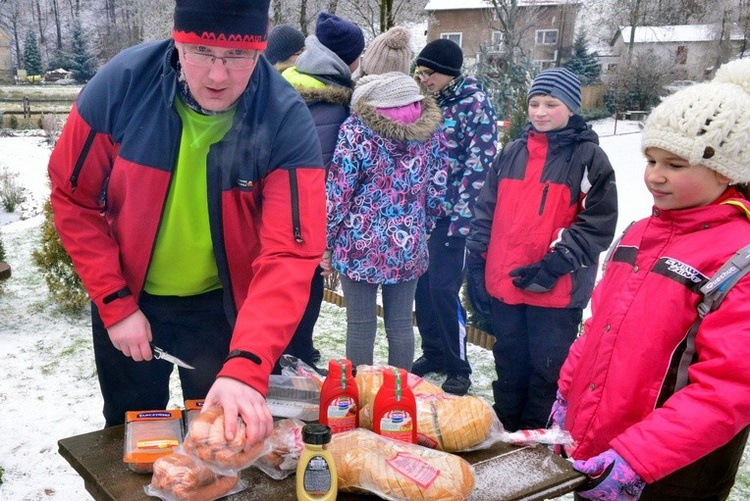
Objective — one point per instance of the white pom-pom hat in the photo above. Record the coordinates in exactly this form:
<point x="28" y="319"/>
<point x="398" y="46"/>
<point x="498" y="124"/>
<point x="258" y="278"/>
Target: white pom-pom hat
<point x="707" y="123"/>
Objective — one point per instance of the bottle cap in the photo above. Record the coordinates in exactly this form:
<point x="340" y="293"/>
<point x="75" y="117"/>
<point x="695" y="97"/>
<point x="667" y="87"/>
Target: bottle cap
<point x="340" y="369"/>
<point x="316" y="434"/>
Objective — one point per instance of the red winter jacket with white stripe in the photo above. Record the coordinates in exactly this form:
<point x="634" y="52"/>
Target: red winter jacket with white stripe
<point x="112" y="168"/>
<point x="632" y="381"/>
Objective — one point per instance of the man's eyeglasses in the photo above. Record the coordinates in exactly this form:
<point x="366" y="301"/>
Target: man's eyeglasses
<point x="233" y="62"/>
<point x="424" y="74"/>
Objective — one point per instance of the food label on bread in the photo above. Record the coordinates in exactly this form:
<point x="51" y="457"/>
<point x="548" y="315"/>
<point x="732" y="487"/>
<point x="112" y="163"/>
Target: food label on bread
<point x="414" y="468"/>
<point x="342" y="414"/>
<point x="397" y="424"/>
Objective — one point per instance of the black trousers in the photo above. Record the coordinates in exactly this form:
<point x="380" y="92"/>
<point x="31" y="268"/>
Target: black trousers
<point x="531" y="344"/>
<point x="193" y="328"/>
<point x="441" y="318"/>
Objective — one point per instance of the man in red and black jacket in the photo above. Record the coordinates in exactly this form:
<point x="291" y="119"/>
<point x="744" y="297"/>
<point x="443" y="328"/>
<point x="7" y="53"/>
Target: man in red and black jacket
<point x="188" y="188"/>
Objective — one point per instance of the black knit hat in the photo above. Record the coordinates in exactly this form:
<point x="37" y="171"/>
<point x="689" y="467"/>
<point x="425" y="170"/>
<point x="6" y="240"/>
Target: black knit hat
<point x="342" y="37"/>
<point x="231" y="24"/>
<point x="443" y="56"/>
<point x="284" y="41"/>
<point x="559" y="83"/>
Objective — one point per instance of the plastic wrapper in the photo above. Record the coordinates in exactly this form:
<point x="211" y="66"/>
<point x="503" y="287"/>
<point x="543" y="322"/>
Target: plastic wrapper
<point x="284" y="447"/>
<point x="450" y="423"/>
<point x="370" y="378"/>
<point x="548" y="436"/>
<point x="207" y="445"/>
<point x="293" y="366"/>
<point x="294" y="397"/>
<point x="192" y="409"/>
<point x="178" y="477"/>
<point x="150" y="435"/>
<point x="395" y="470"/>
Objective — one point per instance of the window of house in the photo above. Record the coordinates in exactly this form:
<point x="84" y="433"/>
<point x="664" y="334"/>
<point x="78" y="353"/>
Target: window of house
<point x="497" y="40"/>
<point x="454" y="37"/>
<point x="611" y="66"/>
<point x="682" y="52"/>
<point x="546" y="37"/>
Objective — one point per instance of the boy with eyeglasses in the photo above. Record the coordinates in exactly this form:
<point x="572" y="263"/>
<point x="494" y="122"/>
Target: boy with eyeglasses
<point x="188" y="189"/>
<point x="470" y="126"/>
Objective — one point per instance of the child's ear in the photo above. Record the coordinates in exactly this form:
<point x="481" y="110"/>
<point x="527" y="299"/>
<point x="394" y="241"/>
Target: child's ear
<point x="722" y="178"/>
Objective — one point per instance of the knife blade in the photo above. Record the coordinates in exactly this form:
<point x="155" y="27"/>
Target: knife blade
<point x="160" y="354"/>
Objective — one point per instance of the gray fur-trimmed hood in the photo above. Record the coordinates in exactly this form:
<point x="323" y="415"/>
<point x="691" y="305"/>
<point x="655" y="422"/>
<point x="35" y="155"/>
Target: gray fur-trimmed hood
<point x="421" y="130"/>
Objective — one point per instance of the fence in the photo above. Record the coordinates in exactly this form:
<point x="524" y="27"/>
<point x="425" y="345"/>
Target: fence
<point x="474" y="335"/>
<point x="592" y="97"/>
<point x="30" y="111"/>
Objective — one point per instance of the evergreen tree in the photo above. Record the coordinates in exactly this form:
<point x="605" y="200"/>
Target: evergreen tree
<point x="584" y="63"/>
<point x="32" y="58"/>
<point x="64" y="285"/>
<point x="82" y="63"/>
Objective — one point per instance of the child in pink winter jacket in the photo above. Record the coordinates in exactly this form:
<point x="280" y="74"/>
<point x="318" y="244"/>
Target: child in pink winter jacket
<point x="656" y="400"/>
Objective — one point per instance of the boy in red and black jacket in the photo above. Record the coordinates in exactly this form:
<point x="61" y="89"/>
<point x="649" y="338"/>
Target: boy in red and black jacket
<point x="547" y="210"/>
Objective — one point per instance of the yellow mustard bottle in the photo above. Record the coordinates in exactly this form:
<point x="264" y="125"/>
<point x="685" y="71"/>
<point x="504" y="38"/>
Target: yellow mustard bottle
<point x="316" y="471"/>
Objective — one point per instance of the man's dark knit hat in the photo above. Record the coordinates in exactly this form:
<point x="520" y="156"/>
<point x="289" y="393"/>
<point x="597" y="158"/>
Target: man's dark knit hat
<point x="284" y="41"/>
<point x="342" y="37"/>
<point x="231" y="24"/>
<point x="443" y="56"/>
<point x="559" y="83"/>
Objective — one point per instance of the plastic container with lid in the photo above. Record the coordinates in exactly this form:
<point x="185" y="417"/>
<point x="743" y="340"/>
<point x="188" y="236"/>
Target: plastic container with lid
<point x="394" y="412"/>
<point x="316" y="470"/>
<point x="339" y="397"/>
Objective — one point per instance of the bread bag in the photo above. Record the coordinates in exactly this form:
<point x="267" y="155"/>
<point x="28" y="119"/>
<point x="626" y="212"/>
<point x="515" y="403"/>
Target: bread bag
<point x="396" y="470"/>
<point x="370" y="378"/>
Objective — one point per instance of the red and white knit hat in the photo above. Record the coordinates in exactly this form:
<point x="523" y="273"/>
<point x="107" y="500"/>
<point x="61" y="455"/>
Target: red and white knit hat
<point x="231" y="24"/>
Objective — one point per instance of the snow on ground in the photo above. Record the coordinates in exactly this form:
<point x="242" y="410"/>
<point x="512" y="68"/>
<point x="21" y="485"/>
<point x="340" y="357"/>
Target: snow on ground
<point x="49" y="388"/>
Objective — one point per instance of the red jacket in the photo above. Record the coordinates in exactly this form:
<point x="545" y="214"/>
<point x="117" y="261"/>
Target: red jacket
<point x="621" y="377"/>
<point x="544" y="191"/>
<point x="111" y="171"/>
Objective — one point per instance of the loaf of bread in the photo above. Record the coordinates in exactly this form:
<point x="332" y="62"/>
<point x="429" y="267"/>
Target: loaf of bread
<point x="178" y="477"/>
<point x="206" y="442"/>
<point x="446" y="422"/>
<point x="396" y="470"/>
<point x="370" y="378"/>
<point x="453" y="423"/>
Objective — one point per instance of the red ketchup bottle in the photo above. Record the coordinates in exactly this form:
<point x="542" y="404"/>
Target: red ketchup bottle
<point x="339" y="397"/>
<point x="395" y="409"/>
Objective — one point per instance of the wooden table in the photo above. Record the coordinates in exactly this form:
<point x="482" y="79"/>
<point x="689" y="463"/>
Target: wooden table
<point x="503" y="472"/>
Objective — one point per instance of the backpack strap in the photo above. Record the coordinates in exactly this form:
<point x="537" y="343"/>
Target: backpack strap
<point x="714" y="291"/>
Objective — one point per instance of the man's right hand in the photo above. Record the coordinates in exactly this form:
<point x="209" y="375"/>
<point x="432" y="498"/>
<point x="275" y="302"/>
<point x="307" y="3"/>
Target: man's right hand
<point x="131" y="336"/>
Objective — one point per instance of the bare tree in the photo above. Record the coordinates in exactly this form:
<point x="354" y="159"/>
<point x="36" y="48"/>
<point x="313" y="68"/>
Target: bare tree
<point x="11" y="17"/>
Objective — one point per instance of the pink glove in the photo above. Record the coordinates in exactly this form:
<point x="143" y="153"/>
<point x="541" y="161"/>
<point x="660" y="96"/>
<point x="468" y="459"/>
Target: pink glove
<point x="610" y="478"/>
<point x="557" y="420"/>
<point x="559" y="410"/>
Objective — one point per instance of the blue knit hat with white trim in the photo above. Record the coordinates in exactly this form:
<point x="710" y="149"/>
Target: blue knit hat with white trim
<point x="559" y="83"/>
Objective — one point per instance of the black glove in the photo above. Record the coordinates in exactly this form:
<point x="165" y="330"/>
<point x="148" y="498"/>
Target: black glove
<point x="478" y="296"/>
<point x="541" y="276"/>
